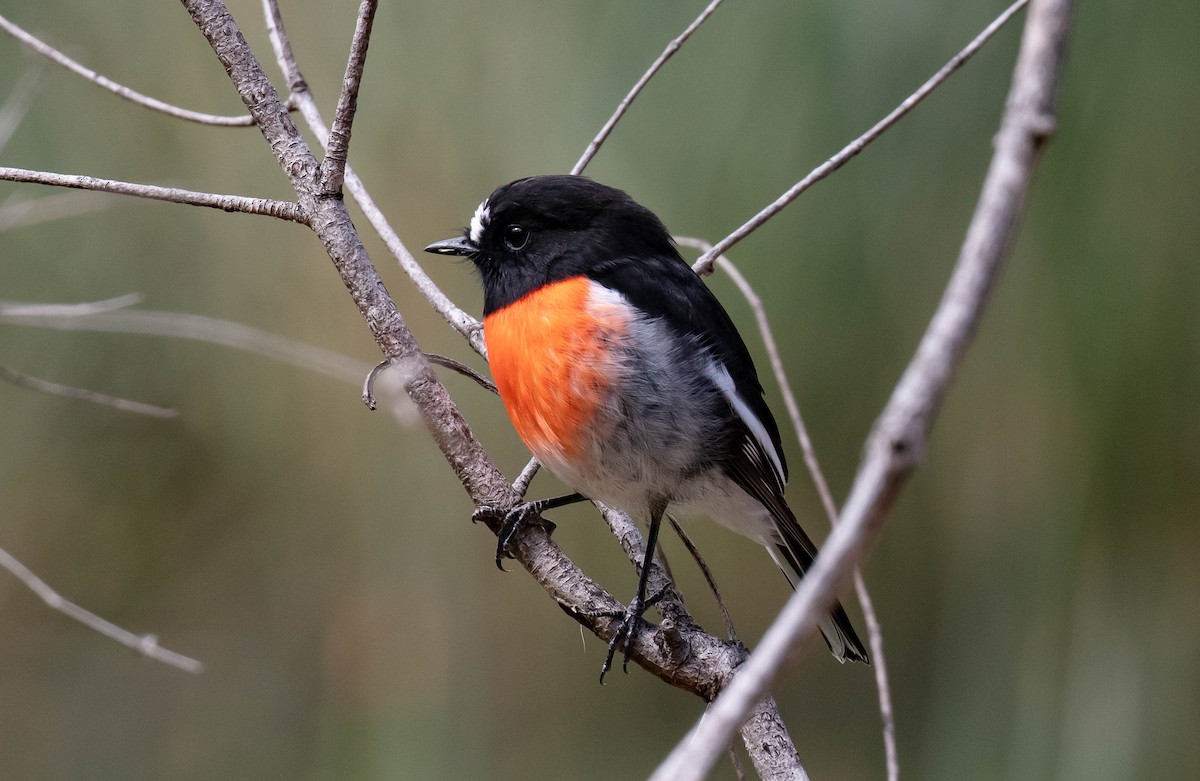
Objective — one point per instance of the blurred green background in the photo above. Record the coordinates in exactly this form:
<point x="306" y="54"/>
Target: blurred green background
<point x="1039" y="581"/>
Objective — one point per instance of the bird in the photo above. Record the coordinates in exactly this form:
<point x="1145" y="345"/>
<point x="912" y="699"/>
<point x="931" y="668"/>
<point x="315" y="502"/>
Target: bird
<point x="626" y="378"/>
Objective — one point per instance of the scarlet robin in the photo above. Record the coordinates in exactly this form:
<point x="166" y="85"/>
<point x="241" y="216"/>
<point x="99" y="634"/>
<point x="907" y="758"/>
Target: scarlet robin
<point x="624" y="375"/>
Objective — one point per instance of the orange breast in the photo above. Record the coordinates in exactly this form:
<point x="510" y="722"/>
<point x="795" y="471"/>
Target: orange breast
<point x="549" y="354"/>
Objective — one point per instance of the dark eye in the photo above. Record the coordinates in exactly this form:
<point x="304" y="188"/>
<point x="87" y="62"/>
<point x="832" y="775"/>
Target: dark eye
<point x="515" y="237"/>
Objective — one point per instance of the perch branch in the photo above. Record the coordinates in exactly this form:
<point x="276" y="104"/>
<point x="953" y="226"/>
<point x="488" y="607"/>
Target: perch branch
<point x="898" y="438"/>
<point x="708" y="662"/>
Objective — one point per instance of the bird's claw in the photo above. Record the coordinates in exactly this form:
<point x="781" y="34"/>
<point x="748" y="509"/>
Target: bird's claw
<point x="512" y="521"/>
<point x="627" y="632"/>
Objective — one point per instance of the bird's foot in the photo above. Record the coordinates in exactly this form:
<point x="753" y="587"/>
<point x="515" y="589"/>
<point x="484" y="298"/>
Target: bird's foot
<point x="512" y="521"/>
<point x="626" y="634"/>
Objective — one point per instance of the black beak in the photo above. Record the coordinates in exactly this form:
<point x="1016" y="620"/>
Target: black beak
<point x="459" y="246"/>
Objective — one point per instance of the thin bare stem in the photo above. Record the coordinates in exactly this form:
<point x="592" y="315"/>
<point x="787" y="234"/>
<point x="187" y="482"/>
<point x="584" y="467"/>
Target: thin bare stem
<point x="333" y="167"/>
<point x="899" y="436"/>
<point x="57" y="57"/>
<point x="55" y="389"/>
<point x="623" y="106"/>
<point x="704" y="265"/>
<point x="730" y="631"/>
<point x="874" y="630"/>
<point x="282" y="210"/>
<point x="466" y="325"/>
<point x="147" y="645"/>
<point x="458" y="366"/>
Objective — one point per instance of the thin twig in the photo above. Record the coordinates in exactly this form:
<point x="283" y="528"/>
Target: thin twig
<point x="874" y="630"/>
<point x="730" y="631"/>
<point x="147" y="645"/>
<point x="704" y="265"/>
<point x="333" y="167"/>
<point x="55" y="56"/>
<point x="54" y="389"/>
<point x="466" y="325"/>
<point x="899" y="436"/>
<point x="460" y="367"/>
<point x="282" y="210"/>
<point x="623" y="106"/>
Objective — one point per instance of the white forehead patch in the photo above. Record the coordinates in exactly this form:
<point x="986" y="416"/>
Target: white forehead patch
<point x="478" y="221"/>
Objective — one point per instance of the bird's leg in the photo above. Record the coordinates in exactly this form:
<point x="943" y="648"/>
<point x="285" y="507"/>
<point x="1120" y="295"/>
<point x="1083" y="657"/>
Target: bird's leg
<point x="515" y="518"/>
<point x="627" y="631"/>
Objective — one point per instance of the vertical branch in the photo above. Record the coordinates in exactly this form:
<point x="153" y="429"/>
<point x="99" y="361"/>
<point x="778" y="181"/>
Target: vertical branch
<point x="333" y="168"/>
<point x="898" y="439"/>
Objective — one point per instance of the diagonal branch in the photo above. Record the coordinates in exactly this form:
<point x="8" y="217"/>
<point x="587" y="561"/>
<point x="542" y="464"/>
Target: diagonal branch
<point x="704" y="265"/>
<point x="282" y="210"/>
<point x="57" y="57"/>
<point x="147" y="645"/>
<point x="899" y="436"/>
<point x="623" y="106"/>
<point x="67" y="391"/>
<point x="333" y="167"/>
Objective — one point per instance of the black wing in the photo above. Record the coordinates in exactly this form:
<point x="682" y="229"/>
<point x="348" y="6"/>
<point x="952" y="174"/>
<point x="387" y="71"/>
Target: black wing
<point x="666" y="287"/>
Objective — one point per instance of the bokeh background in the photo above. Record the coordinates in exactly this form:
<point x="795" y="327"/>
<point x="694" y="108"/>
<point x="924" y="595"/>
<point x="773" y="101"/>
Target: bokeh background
<point x="1039" y="581"/>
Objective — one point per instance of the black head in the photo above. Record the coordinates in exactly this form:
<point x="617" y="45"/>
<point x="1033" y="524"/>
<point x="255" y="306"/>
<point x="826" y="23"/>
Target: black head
<point x="547" y="228"/>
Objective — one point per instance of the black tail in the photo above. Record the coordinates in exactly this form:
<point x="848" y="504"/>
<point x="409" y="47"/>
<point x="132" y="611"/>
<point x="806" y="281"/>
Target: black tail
<point x="836" y="628"/>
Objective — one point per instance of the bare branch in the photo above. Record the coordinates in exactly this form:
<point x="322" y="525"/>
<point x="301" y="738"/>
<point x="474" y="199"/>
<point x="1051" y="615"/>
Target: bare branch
<point x="623" y="106"/>
<point x="55" y="56"/>
<point x="54" y="389"/>
<point x="874" y="631"/>
<point x="333" y="167"/>
<point x="147" y="645"/>
<point x="466" y="325"/>
<point x="899" y="436"/>
<point x="704" y="265"/>
<point x="730" y="631"/>
<point x="282" y="210"/>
